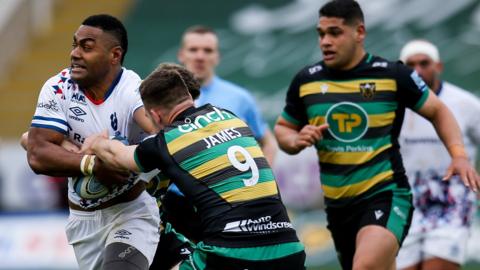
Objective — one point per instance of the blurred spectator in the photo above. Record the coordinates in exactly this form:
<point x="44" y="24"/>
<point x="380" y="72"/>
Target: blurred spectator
<point x="444" y="210"/>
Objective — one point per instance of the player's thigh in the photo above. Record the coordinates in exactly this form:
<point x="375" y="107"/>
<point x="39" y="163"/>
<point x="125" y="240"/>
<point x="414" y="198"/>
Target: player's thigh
<point x="448" y="243"/>
<point x="200" y="260"/>
<point x="410" y="255"/>
<point x="171" y="250"/>
<point x="136" y="224"/>
<point x="376" y="248"/>
<point x="439" y="264"/>
<point x="87" y="233"/>
<point x="343" y="226"/>
<point x="125" y="257"/>
<point x="383" y="227"/>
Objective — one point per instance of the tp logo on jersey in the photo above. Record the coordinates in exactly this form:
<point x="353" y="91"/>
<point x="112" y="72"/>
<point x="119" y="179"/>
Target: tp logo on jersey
<point x="347" y="121"/>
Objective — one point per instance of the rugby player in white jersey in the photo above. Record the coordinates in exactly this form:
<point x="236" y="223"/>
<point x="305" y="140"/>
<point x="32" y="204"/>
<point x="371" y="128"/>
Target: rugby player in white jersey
<point x="443" y="214"/>
<point x="119" y="228"/>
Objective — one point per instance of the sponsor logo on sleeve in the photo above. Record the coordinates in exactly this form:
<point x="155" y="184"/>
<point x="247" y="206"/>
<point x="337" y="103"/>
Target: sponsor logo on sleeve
<point x="314" y="69"/>
<point x="418" y="81"/>
<point x="50" y="105"/>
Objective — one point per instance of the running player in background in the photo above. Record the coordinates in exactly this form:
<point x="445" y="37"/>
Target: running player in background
<point x="444" y="210"/>
<point x="216" y="162"/>
<point x="351" y="107"/>
<point x="200" y="55"/>
<point x="96" y="93"/>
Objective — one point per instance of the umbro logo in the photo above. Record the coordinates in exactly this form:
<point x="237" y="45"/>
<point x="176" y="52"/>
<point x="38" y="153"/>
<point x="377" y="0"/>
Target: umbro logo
<point x="123" y="234"/>
<point x="77" y="111"/>
<point x="378" y="214"/>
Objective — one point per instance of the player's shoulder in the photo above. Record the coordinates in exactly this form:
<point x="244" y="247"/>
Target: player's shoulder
<point x="311" y="71"/>
<point x="60" y="78"/>
<point x="129" y="78"/>
<point x="454" y="92"/>
<point x="129" y="83"/>
<point x="61" y="84"/>
<point x="130" y="75"/>
<point x="380" y="65"/>
<point x="234" y="90"/>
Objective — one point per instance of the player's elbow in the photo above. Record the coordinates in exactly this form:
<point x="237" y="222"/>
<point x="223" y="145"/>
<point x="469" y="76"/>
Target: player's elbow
<point x="35" y="162"/>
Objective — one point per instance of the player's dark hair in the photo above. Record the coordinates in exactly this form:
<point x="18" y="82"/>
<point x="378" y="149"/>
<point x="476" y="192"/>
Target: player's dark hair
<point x="349" y="10"/>
<point x="168" y="85"/>
<point x="111" y="25"/>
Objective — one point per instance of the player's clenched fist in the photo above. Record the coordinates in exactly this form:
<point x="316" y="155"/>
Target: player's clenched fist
<point x="308" y="136"/>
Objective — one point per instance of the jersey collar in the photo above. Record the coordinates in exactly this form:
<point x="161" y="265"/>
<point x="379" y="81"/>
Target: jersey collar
<point x="109" y="92"/>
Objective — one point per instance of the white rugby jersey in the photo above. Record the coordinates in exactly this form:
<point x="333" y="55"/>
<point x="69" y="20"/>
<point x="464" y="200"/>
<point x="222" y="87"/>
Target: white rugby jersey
<point x="63" y="107"/>
<point x="426" y="158"/>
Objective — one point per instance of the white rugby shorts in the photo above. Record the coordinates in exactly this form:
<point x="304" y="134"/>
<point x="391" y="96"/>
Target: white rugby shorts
<point x="446" y="242"/>
<point x="135" y="223"/>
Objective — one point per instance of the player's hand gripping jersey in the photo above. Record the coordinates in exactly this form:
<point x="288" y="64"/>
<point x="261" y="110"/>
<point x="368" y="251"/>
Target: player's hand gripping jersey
<point x="65" y="108"/>
<point x="214" y="159"/>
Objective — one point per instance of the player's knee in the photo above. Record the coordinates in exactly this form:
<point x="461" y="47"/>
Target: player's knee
<point x="125" y="257"/>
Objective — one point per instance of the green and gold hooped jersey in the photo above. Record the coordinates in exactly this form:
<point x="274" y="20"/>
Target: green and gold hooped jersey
<point x="364" y="108"/>
<point x="214" y="159"/>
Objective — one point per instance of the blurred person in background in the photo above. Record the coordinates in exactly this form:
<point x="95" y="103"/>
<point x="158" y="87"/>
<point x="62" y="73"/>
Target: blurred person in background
<point x="215" y="160"/>
<point x="350" y="106"/>
<point x="444" y="210"/>
<point x="199" y="53"/>
<point x="94" y="94"/>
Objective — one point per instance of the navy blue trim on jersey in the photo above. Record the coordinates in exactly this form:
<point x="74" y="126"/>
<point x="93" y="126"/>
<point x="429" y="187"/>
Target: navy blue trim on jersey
<point x="114" y="84"/>
<point x="50" y="127"/>
<point x="51" y="119"/>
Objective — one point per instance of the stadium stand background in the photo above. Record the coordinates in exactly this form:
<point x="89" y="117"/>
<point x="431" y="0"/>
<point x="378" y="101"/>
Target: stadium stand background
<point x="263" y="43"/>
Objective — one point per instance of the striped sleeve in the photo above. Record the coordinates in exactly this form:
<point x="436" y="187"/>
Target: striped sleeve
<point x="50" y="113"/>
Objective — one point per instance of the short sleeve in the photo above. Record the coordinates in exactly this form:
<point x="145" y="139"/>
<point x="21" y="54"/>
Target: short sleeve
<point x="50" y="112"/>
<point x="473" y="130"/>
<point x="133" y="99"/>
<point x="254" y="119"/>
<point x="411" y="89"/>
<point x="147" y="154"/>
<point x="295" y="111"/>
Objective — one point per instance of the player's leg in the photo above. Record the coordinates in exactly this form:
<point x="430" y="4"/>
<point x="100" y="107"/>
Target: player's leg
<point x="410" y="255"/>
<point x="87" y="235"/>
<point x="376" y="248"/>
<point x="383" y="226"/>
<point x="201" y="259"/>
<point x="439" y="264"/>
<point x="445" y="248"/>
<point x="171" y="250"/>
<point x="123" y="256"/>
<point x="136" y="225"/>
<point x="343" y="227"/>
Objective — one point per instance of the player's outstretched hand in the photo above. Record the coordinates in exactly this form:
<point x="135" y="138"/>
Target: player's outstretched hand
<point x="109" y="176"/>
<point x="462" y="167"/>
<point x="89" y="141"/>
<point x="309" y="135"/>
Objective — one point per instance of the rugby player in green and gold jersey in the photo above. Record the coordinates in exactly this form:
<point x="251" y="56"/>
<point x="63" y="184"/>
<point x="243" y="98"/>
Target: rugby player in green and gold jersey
<point x="350" y="106"/>
<point x="214" y="159"/>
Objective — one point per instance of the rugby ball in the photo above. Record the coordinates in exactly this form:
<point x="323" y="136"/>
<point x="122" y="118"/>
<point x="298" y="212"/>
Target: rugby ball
<point x="87" y="187"/>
